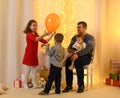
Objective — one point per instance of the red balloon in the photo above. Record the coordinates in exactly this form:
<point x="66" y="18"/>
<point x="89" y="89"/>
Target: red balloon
<point x="52" y="22"/>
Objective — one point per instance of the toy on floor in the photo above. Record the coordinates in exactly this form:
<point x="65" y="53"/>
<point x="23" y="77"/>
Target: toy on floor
<point x="29" y="83"/>
<point x="41" y="82"/>
<point x="3" y="88"/>
<point x="18" y="83"/>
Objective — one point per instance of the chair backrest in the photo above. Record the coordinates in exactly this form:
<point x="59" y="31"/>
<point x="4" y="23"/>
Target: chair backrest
<point x="93" y="53"/>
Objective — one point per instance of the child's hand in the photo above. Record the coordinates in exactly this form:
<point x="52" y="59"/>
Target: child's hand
<point x="69" y="55"/>
<point x="46" y="33"/>
<point x="63" y="61"/>
<point x="54" y="33"/>
<point x="43" y="45"/>
<point x="51" y="33"/>
<point x="74" y="57"/>
<point x="48" y="45"/>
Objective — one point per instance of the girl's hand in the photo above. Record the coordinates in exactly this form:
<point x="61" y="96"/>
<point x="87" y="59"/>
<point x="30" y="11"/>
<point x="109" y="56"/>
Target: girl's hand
<point x="46" y="33"/>
<point x="49" y="33"/>
<point x="52" y="34"/>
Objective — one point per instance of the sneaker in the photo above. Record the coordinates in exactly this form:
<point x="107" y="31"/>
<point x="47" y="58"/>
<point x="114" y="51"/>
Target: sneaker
<point x="25" y="86"/>
<point x="67" y="89"/>
<point x="43" y="93"/>
<point x="35" y="86"/>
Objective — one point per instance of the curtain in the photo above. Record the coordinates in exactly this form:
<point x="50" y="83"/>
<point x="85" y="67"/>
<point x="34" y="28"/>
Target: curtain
<point x="99" y="15"/>
<point x="13" y="18"/>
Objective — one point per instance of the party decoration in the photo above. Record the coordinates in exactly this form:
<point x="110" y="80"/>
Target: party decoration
<point x="52" y="22"/>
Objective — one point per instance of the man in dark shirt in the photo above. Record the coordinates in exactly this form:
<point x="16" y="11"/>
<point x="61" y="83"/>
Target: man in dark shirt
<point x="81" y="58"/>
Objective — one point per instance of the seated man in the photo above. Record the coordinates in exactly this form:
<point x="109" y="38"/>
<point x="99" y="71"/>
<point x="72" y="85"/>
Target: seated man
<point x="81" y="58"/>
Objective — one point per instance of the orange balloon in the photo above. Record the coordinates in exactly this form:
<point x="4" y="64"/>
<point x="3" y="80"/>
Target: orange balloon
<point x="52" y="22"/>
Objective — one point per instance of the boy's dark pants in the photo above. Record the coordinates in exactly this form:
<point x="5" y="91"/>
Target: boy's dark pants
<point x="54" y="75"/>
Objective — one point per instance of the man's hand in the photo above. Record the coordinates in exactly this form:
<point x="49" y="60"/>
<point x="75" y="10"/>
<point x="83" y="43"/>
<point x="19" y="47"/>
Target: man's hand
<point x="74" y="57"/>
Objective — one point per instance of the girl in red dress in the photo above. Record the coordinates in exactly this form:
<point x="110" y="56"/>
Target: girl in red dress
<point x="30" y="59"/>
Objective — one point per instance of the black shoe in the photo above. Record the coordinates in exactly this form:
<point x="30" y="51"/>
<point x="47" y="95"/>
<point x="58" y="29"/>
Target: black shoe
<point x="67" y="89"/>
<point x="80" y="89"/>
<point x="43" y="93"/>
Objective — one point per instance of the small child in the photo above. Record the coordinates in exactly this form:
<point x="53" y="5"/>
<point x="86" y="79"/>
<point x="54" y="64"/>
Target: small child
<point x="56" y="54"/>
<point x="30" y="59"/>
<point x="77" y="46"/>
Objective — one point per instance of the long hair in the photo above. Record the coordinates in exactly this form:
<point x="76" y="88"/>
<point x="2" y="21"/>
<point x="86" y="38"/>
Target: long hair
<point x="27" y="28"/>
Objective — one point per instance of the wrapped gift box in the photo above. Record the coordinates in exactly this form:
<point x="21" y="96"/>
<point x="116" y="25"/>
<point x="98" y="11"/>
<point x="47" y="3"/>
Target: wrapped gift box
<point x="108" y="81"/>
<point x="116" y="83"/>
<point x="114" y="76"/>
<point x="115" y="64"/>
<point x="112" y="82"/>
